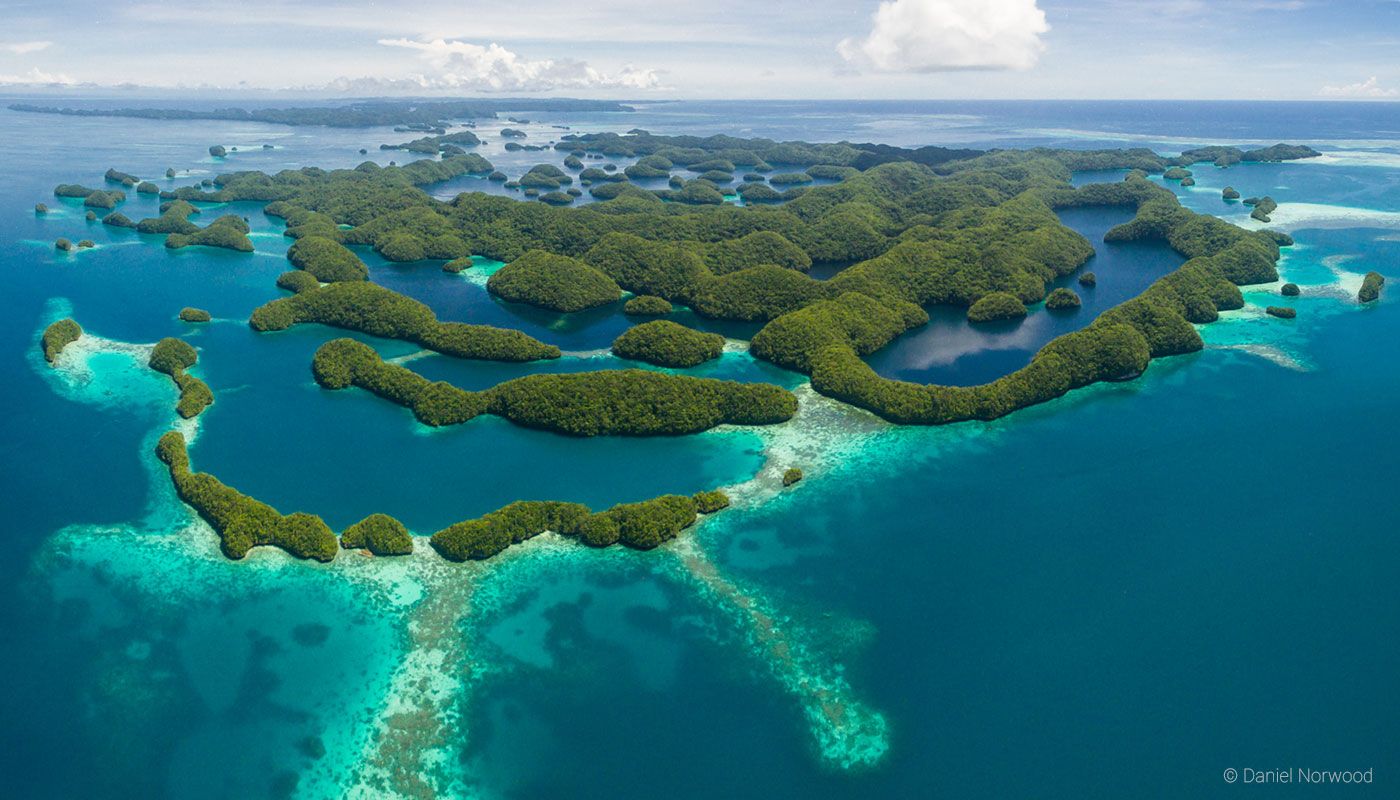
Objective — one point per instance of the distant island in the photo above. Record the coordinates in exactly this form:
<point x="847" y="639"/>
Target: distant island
<point x="362" y="114"/>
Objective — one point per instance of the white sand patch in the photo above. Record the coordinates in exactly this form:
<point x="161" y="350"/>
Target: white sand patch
<point x="1295" y="216"/>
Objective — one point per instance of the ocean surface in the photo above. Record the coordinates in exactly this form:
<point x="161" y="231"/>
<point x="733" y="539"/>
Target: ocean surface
<point x="1122" y="593"/>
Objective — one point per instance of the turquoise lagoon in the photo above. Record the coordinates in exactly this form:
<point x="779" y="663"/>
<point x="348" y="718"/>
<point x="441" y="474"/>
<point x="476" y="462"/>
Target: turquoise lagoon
<point x="1120" y="593"/>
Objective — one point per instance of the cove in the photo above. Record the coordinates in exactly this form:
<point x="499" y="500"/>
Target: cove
<point x="950" y="351"/>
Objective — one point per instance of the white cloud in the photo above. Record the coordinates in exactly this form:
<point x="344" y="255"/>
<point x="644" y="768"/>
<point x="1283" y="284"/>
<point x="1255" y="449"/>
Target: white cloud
<point x="942" y="35"/>
<point x="21" y="48"/>
<point x="465" y="66"/>
<point x="36" y="76"/>
<point x="1370" y="87"/>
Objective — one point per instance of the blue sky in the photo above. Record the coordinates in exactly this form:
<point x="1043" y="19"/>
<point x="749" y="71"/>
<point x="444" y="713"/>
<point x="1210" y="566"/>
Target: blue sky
<point x="1264" y="49"/>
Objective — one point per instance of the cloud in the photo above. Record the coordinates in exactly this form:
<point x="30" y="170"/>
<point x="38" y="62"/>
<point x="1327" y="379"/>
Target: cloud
<point x="465" y="66"/>
<point x="944" y="35"/>
<point x="37" y="77"/>
<point x="21" y="48"/>
<point x="1368" y="88"/>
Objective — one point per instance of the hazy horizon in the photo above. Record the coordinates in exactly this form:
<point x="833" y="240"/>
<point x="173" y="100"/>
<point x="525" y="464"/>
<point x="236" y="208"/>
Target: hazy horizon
<point x="895" y="49"/>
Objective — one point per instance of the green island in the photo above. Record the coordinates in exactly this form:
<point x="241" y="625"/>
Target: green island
<point x="242" y="522"/>
<point x="791" y="475"/>
<point x="667" y="344"/>
<point x="368" y="308"/>
<point x="1290" y="290"/>
<point x="911" y="229"/>
<point x="553" y="282"/>
<point x="59" y="335"/>
<point x="997" y="306"/>
<point x="190" y="314"/>
<point x="380" y="534"/>
<point x="605" y="403"/>
<point x="1061" y="299"/>
<point x="126" y="179"/>
<point x="1370" y="287"/>
<point x="229" y="231"/>
<point x="326" y="260"/>
<point x="647" y="305"/>
<point x="1282" y="312"/>
<point x="173" y="357"/>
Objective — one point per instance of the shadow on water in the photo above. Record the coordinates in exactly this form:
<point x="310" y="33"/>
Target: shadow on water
<point x="953" y="352"/>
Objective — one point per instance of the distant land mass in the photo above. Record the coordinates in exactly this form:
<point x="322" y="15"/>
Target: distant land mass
<point x="370" y="113"/>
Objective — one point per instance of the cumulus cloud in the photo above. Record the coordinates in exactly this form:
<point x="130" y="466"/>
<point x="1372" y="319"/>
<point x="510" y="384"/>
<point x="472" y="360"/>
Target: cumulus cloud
<point x="466" y="66"/>
<point x="37" y="77"/>
<point x="20" y="48"/>
<point x="1370" y="87"/>
<point x="944" y="35"/>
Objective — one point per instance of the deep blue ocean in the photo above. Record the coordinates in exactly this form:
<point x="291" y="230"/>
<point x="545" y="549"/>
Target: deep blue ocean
<point x="1122" y="593"/>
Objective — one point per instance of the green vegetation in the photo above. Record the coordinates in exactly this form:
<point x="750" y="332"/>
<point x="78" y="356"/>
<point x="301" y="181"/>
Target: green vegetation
<point x="710" y="501"/>
<point x="188" y="314"/>
<point x="118" y="220"/>
<point x="1263" y="207"/>
<point x="217" y="151"/>
<point x="606" y="403"/>
<point x="241" y="522"/>
<point x="62" y="244"/>
<point x="1229" y="193"/>
<point x="368" y="308"/>
<point x="59" y="335"/>
<point x="757" y="293"/>
<point x="642" y="526"/>
<point x="1290" y="290"/>
<point x="667" y="344"/>
<point x="789" y="178"/>
<point x="458" y="265"/>
<point x="1062" y="299"/>
<point x="86" y="243"/>
<point x="146" y="187"/>
<point x="229" y="232"/>
<point x="647" y="305"/>
<point x="791" y="475"/>
<point x="173" y="357"/>
<point x="124" y="178"/>
<point x="444" y="143"/>
<point x="1282" y="312"/>
<point x="327" y="260"/>
<point x="512" y="133"/>
<point x="90" y="216"/>
<point x="1370" y="287"/>
<point x="174" y="218"/>
<point x="996" y="306"/>
<point x="297" y="281"/>
<point x="1176" y="174"/>
<point x="380" y="534"/>
<point x="553" y="282"/>
<point x="40" y="208"/>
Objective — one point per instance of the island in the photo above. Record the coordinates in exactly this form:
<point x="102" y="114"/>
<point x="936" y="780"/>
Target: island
<point x="1370" y="287"/>
<point x="190" y="314"/>
<point x="173" y="357"/>
<point x="553" y="282"/>
<point x="667" y="344"/>
<point x="59" y="335"/>
<point x="607" y="403"/>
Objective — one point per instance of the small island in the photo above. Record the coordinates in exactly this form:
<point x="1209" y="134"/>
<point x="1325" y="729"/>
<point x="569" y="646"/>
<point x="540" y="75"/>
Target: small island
<point x="1282" y="312"/>
<point x="553" y="282"/>
<point x="59" y="335"/>
<point x="995" y="307"/>
<point x="667" y="344"/>
<point x="647" y="305"/>
<point x="1062" y="299"/>
<point x="173" y="357"/>
<point x="1370" y="287"/>
<point x="190" y="314"/>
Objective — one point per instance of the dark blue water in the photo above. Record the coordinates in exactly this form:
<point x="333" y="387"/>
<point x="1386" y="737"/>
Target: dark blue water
<point x="1118" y="594"/>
